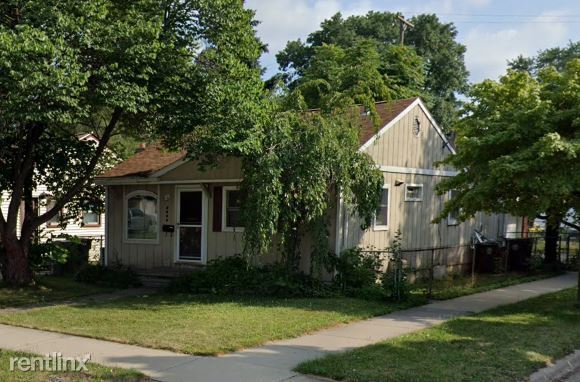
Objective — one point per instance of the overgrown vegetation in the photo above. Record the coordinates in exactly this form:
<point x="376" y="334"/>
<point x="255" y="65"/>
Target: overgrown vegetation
<point x="235" y="276"/>
<point x="355" y="273"/>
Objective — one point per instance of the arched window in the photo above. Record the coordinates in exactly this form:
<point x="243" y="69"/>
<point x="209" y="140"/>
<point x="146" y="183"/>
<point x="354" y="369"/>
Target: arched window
<point x="141" y="217"/>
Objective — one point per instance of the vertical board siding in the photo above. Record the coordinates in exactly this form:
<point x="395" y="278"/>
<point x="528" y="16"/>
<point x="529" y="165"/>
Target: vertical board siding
<point x="400" y="147"/>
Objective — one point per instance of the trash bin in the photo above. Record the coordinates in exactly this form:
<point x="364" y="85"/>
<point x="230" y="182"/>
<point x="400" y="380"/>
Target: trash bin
<point x="485" y="255"/>
<point x="519" y="252"/>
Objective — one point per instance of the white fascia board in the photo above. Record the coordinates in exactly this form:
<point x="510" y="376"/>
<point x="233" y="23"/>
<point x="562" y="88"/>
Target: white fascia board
<point x="417" y="171"/>
<point x="385" y="128"/>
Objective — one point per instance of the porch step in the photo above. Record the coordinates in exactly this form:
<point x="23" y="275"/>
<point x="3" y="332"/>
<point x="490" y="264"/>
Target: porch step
<point x="155" y="282"/>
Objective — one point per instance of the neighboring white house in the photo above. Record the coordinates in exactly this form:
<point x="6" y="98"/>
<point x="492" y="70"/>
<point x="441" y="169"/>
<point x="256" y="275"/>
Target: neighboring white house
<point x="89" y="225"/>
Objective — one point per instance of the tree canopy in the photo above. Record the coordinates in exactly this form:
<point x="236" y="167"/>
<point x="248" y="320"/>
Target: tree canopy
<point x="152" y="66"/>
<point x="431" y="66"/>
<point x="519" y="146"/>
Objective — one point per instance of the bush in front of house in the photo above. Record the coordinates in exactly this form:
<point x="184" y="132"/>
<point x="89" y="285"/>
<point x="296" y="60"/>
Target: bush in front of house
<point x="236" y="276"/>
<point x="115" y="277"/>
<point x="356" y="272"/>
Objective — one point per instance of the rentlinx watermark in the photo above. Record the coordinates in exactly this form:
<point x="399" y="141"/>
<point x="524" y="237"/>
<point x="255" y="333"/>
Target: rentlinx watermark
<point x="50" y="362"/>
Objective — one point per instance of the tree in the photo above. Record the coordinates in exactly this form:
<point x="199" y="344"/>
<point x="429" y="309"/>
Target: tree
<point x="518" y="148"/>
<point x="442" y="57"/>
<point x="104" y="66"/>
<point x="556" y="57"/>
<point x="306" y="159"/>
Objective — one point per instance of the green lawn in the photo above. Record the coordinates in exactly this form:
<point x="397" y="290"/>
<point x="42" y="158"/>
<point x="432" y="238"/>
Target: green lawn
<point x="48" y="288"/>
<point x="462" y="286"/>
<point x="503" y="344"/>
<point x="199" y="324"/>
<point x="95" y="373"/>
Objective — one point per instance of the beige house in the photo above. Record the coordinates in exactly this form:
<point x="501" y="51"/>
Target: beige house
<point x="164" y="213"/>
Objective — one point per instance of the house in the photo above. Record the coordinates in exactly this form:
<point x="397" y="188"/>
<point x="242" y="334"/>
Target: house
<point x="164" y="213"/>
<point x="90" y="225"/>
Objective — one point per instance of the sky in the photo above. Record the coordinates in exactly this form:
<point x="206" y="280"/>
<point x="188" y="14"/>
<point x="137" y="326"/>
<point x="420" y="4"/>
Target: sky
<point x="493" y="31"/>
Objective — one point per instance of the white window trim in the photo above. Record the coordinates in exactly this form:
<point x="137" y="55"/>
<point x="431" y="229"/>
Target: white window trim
<point x="381" y="227"/>
<point x="125" y="213"/>
<point x="225" y="228"/>
<point x="408" y="199"/>
<point x="204" y="223"/>
<point x="451" y="221"/>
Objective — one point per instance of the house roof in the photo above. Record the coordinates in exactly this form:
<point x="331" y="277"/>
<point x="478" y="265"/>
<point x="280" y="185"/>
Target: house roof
<point x="153" y="158"/>
<point x="387" y="111"/>
<point x="150" y="160"/>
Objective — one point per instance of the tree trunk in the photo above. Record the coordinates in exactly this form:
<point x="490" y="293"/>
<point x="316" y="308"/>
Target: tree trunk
<point x="16" y="268"/>
<point x="551" y="240"/>
<point x="578" y="296"/>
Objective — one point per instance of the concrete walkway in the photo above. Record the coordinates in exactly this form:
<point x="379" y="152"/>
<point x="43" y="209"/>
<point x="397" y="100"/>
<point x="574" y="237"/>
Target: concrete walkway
<point x="274" y="361"/>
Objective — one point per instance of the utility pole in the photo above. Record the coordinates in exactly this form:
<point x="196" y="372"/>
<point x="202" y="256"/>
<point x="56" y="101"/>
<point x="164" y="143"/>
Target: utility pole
<point x="403" y="25"/>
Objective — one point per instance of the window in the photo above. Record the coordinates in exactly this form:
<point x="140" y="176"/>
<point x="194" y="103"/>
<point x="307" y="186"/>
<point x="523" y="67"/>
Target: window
<point x="231" y="209"/>
<point x="55" y="220"/>
<point x="413" y="192"/>
<point x="453" y="217"/>
<point x="141" y="211"/>
<point x="91" y="219"/>
<point x="382" y="214"/>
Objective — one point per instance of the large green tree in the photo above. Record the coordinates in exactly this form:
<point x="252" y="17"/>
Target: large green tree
<point x="518" y="148"/>
<point x="108" y="65"/>
<point x="442" y="58"/>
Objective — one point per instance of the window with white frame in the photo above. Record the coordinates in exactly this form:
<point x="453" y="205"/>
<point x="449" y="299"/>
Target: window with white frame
<point x="413" y="192"/>
<point x="232" y="202"/>
<point x="382" y="215"/>
<point x="141" y="212"/>
<point x="91" y="219"/>
<point x="453" y="216"/>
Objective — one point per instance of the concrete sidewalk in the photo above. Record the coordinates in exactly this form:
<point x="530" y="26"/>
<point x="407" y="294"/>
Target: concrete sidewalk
<point x="274" y="361"/>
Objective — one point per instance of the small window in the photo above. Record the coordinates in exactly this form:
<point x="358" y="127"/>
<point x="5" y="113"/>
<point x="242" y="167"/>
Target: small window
<point x="91" y="219"/>
<point x="232" y="202"/>
<point x="141" y="214"/>
<point x="413" y="192"/>
<point x="453" y="217"/>
<point x="55" y="220"/>
<point x="382" y="215"/>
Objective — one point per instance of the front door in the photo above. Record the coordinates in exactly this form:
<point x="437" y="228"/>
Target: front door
<point x="190" y="225"/>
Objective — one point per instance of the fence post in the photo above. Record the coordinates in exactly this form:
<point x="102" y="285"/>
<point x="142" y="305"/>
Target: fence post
<point x="431" y="273"/>
<point x="568" y="250"/>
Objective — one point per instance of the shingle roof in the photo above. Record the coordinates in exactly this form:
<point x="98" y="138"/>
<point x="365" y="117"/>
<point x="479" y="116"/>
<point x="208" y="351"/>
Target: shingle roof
<point x="387" y="112"/>
<point x="144" y="163"/>
<point x="154" y="158"/>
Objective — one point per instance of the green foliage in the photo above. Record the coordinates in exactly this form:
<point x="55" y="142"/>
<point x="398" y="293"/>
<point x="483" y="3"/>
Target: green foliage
<point x="394" y="280"/>
<point x="555" y="57"/>
<point x="115" y="277"/>
<point x="432" y="65"/>
<point x="306" y="159"/>
<point x="182" y="72"/>
<point x="236" y="276"/>
<point x="357" y="271"/>
<point x="518" y="146"/>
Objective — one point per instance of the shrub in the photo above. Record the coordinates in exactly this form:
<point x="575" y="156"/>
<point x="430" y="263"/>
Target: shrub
<point x="394" y="280"/>
<point x="235" y="276"/>
<point x="355" y="270"/>
<point x="116" y="277"/>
